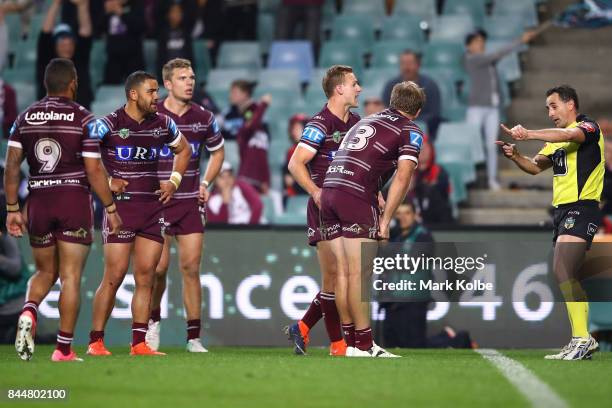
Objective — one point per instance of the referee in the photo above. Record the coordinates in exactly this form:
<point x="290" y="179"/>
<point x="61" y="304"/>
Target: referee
<point x="575" y="151"/>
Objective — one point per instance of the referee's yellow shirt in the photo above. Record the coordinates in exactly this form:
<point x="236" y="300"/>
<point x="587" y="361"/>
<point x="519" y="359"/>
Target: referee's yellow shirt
<point x="578" y="167"/>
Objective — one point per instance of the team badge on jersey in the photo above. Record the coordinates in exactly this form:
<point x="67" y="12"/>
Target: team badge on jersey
<point x="337" y="136"/>
<point x="195" y="128"/>
<point x="588" y="126"/>
<point x="157" y="132"/>
<point x="569" y="223"/>
<point x="124" y="133"/>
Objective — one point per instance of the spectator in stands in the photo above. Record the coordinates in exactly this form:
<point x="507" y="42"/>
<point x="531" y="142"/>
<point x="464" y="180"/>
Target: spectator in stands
<point x="293" y="12"/>
<point x="175" y="21"/>
<point x="8" y="107"/>
<point x="24" y="8"/>
<point x="372" y="105"/>
<point x="243" y="121"/>
<point x="124" y="24"/>
<point x="208" y="25"/>
<point x="60" y="41"/>
<point x="410" y="64"/>
<point x="296" y="127"/>
<point x="233" y="201"/>
<point x="485" y="93"/>
<point x="243" y="17"/>
<point x="430" y="188"/>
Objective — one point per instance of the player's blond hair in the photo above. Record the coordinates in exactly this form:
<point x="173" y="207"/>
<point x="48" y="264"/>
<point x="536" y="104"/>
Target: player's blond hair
<point x="407" y="97"/>
<point x="170" y="66"/>
<point x="333" y="77"/>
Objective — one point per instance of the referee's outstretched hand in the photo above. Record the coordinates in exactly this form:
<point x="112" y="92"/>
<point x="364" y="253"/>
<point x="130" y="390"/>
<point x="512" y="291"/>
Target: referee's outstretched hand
<point x="510" y="150"/>
<point x="518" y="132"/>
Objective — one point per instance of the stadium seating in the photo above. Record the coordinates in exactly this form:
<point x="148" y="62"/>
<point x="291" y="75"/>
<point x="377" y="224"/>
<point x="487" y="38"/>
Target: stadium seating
<point x="475" y="8"/>
<point x="97" y="62"/>
<point x="509" y="67"/>
<point x="150" y="55"/>
<point x="454" y="133"/>
<point x="265" y="31"/>
<point x="423" y="9"/>
<point x="222" y="78"/>
<point x="108" y="98"/>
<point x="294" y="55"/>
<point x="377" y="78"/>
<point x="297" y="204"/>
<point x="403" y="27"/>
<point x="453" y="28"/>
<point x="503" y="27"/>
<point x="444" y="54"/>
<point x="268" y="6"/>
<point x="342" y="52"/>
<point x="373" y="10"/>
<point x="26" y="94"/>
<point x="354" y="28"/>
<point x="524" y="8"/>
<point x="386" y="54"/>
<point x="201" y="59"/>
<point x="239" y="54"/>
<point x="279" y="79"/>
<point x="232" y="155"/>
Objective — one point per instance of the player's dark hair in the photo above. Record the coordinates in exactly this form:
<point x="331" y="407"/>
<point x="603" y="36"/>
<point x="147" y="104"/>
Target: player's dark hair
<point x="58" y="75"/>
<point x="566" y="93"/>
<point x="410" y="204"/>
<point x="407" y="97"/>
<point x="475" y="34"/>
<point x="244" y="85"/>
<point x="412" y="52"/>
<point x="135" y="79"/>
<point x="333" y="77"/>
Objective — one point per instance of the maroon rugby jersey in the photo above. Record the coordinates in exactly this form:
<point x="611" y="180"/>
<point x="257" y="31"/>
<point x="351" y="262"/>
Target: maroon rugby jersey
<point x="200" y="128"/>
<point x="253" y="144"/>
<point x="369" y="153"/>
<point x="54" y="134"/>
<point x="322" y="135"/>
<point x="131" y="150"/>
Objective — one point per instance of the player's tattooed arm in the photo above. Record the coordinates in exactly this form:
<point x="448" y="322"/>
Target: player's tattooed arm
<point x="15" y="224"/>
<point x="297" y="167"/>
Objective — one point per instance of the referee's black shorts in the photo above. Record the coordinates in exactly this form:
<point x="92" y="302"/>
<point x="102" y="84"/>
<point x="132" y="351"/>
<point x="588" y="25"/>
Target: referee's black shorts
<point x="580" y="219"/>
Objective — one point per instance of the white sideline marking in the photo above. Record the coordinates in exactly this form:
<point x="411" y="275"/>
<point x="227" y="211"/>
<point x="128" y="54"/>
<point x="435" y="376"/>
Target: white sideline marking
<point x="537" y="392"/>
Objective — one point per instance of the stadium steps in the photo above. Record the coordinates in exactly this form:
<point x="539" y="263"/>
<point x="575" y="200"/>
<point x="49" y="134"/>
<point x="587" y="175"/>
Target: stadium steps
<point x="505" y="216"/>
<point x="548" y="57"/>
<point x="515" y="178"/>
<point x="500" y="199"/>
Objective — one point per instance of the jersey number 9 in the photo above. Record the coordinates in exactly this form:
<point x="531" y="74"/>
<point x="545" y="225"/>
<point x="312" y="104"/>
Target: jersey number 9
<point x="48" y="153"/>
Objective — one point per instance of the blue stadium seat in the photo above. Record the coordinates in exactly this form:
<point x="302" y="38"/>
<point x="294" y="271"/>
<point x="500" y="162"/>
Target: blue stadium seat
<point x="297" y="204"/>
<point x="475" y="8"/>
<point x="526" y="9"/>
<point x="316" y="76"/>
<point x="222" y="78"/>
<point x="451" y="28"/>
<point x="150" y="55"/>
<point x="232" y="155"/>
<point x="444" y="54"/>
<point x="372" y="9"/>
<point x="290" y="219"/>
<point x="456" y="133"/>
<point x="284" y="79"/>
<point x="342" y="52"/>
<point x="294" y="55"/>
<point x="457" y="172"/>
<point x="280" y="97"/>
<point x="356" y="29"/>
<point x="403" y="27"/>
<point x="503" y="27"/>
<point x="268" y="6"/>
<point x="423" y="9"/>
<point x="201" y="59"/>
<point x="377" y="78"/>
<point x="97" y="62"/>
<point x="239" y="54"/>
<point x="265" y="31"/>
<point x="26" y="94"/>
<point x="386" y="54"/>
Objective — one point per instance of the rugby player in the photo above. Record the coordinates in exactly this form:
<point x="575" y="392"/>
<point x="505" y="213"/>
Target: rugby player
<point x="55" y="136"/>
<point x="184" y="214"/>
<point x="132" y="139"/>
<point x="575" y="151"/>
<point x="308" y="164"/>
<point x="368" y="156"/>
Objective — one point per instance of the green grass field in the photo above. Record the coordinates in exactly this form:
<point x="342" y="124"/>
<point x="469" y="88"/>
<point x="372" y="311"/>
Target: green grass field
<point x="273" y="377"/>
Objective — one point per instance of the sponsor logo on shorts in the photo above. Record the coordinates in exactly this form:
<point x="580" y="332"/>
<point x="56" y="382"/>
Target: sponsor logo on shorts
<point x="51" y="183"/>
<point x="373" y="232"/>
<point x="41" y="240"/>
<point x="310" y="233"/>
<point x="573" y="212"/>
<point x="125" y="234"/>
<point x="124" y="133"/>
<point x="355" y="229"/>
<point x="569" y="223"/>
<point x="40" y="118"/>
<point x="332" y="229"/>
<point x="80" y="233"/>
<point x="339" y="169"/>
<point x="591" y="229"/>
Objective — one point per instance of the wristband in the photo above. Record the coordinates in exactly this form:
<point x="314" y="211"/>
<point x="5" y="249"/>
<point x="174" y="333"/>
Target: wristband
<point x="176" y="178"/>
<point x="206" y="183"/>
<point x="111" y="208"/>
<point x="12" y="207"/>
